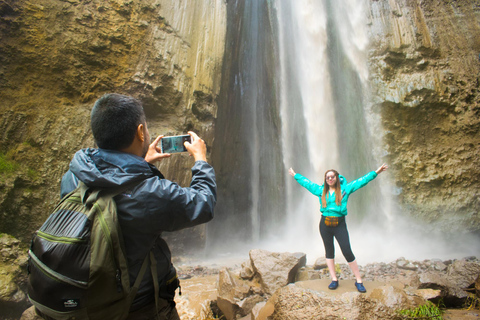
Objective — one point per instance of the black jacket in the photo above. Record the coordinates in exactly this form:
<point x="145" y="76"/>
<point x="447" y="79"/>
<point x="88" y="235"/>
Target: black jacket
<point x="151" y="206"/>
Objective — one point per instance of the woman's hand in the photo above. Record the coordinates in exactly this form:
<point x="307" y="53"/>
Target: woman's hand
<point x="382" y="168"/>
<point x="291" y="172"/>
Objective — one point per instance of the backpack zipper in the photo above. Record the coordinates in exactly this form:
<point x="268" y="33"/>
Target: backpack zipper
<point x="106" y="230"/>
<point x="55" y="275"/>
<point x="53" y="238"/>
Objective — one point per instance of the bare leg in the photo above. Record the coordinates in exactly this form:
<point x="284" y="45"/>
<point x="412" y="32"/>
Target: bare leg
<point x="331" y="268"/>
<point x="354" y="266"/>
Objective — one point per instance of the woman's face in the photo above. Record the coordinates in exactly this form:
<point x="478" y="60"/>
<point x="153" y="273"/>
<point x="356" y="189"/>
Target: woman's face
<point x="331" y="178"/>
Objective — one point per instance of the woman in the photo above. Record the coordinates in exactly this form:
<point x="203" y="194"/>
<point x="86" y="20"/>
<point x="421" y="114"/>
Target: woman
<point x="333" y="196"/>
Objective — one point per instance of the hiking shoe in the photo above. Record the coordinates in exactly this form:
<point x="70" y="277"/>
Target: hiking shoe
<point x="333" y="285"/>
<point x="360" y="287"/>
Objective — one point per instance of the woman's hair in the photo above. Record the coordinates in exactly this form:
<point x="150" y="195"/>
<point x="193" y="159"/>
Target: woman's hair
<point x="336" y="187"/>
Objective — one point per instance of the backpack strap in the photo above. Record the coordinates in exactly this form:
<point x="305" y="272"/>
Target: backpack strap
<point x="153" y="269"/>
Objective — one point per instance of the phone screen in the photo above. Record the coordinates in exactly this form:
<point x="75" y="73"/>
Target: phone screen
<point x="174" y="144"/>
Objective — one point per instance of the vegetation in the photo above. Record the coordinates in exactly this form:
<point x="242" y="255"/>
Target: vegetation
<point x="472" y="302"/>
<point x="7" y="166"/>
<point x="427" y="311"/>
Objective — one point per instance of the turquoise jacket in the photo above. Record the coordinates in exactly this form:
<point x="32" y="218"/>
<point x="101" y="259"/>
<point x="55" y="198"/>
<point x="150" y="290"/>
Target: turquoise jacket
<point x="332" y="209"/>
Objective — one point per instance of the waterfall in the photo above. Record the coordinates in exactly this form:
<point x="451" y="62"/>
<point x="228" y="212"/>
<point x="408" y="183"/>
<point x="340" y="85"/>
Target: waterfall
<point x="295" y="94"/>
<point x="295" y="74"/>
<point x="323" y="72"/>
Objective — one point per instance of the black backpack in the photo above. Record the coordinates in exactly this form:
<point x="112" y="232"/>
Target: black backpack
<point x="77" y="267"/>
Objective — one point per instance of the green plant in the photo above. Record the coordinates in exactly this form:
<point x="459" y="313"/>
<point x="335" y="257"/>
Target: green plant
<point x="472" y="302"/>
<point x="7" y="166"/>
<point x="427" y="311"/>
<point x="338" y="269"/>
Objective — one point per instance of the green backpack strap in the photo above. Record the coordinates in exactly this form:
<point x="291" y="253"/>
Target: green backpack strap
<point x="153" y="268"/>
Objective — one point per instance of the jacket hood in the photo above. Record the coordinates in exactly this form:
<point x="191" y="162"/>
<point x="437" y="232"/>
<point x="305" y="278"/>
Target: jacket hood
<point x="343" y="181"/>
<point x="108" y="168"/>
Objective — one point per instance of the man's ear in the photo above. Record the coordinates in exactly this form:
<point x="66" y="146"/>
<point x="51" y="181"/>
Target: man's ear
<point x="141" y="132"/>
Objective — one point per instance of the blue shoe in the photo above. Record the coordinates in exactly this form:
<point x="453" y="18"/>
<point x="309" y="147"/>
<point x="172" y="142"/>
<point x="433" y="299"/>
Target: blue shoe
<point x="360" y="287"/>
<point x="333" y="285"/>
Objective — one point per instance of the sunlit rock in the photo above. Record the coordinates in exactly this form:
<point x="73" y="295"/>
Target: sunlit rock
<point x="276" y="269"/>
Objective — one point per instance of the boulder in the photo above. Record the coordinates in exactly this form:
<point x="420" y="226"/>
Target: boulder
<point x="391" y="297"/>
<point x="226" y="285"/>
<point x="30" y="314"/>
<point x="295" y="302"/>
<point x="13" y="273"/>
<point x="402" y="263"/>
<point x="463" y="273"/>
<point x="276" y="270"/>
<point x="236" y="297"/>
<point x="320" y="263"/>
<point x="460" y="275"/>
<point x="429" y="294"/>
<point x="477" y="287"/>
<point x="247" y="271"/>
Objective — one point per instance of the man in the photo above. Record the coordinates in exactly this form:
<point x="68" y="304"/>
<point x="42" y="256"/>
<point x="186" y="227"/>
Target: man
<point x="153" y="204"/>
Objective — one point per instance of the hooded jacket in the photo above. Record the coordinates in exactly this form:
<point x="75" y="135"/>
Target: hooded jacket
<point x="151" y="205"/>
<point x="332" y="209"/>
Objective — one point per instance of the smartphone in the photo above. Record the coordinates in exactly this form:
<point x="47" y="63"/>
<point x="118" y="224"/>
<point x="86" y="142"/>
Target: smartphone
<point x="174" y="144"/>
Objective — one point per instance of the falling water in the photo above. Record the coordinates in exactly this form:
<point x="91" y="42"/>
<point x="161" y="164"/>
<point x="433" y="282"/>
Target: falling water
<point x="323" y="74"/>
<point x="295" y="94"/>
<point x="296" y="74"/>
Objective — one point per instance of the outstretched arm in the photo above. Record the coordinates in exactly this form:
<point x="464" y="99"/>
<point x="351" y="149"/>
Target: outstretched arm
<point x="307" y="184"/>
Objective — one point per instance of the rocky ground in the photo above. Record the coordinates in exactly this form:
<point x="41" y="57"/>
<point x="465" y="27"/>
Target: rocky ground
<point x="240" y="292"/>
<point x="277" y="286"/>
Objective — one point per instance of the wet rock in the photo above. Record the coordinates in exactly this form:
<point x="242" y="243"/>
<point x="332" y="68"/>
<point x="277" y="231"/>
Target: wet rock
<point x="276" y="270"/>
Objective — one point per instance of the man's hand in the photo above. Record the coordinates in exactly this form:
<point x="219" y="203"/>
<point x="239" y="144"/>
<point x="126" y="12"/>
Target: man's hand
<point x="197" y="148"/>
<point x="154" y="152"/>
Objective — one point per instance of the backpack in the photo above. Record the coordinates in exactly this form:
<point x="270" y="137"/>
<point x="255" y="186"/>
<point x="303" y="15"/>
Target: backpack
<point x="77" y="268"/>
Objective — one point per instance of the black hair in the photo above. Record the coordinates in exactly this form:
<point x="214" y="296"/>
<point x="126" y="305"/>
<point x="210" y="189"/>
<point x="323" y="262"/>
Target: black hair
<point x="115" y="119"/>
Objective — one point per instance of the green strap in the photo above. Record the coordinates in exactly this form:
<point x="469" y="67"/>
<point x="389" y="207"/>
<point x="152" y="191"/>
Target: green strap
<point x="153" y="268"/>
<point x="141" y="273"/>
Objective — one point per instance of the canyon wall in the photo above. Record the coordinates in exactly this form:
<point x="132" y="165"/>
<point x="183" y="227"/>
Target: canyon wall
<point x="425" y="77"/>
<point x="58" y="56"/>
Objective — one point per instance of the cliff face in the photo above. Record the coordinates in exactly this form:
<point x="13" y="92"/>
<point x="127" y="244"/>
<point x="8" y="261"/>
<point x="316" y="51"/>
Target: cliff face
<point x="424" y="64"/>
<point x="58" y="57"/>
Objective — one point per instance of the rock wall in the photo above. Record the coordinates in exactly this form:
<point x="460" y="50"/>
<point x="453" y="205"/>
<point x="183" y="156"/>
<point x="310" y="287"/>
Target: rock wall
<point x="424" y="71"/>
<point x="58" y="56"/>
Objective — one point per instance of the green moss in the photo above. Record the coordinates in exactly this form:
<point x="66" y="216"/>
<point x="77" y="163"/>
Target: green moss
<point x="7" y="166"/>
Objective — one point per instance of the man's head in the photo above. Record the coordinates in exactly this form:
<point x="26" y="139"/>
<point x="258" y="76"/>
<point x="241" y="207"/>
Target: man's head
<point x="115" y="121"/>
